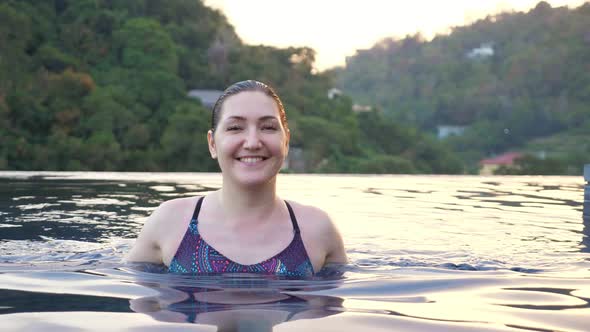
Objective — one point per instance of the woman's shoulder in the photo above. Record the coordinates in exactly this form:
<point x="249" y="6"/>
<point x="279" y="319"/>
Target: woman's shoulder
<point x="173" y="209"/>
<point x="321" y="236"/>
<point x="160" y="231"/>
<point x="176" y="203"/>
<point x="312" y="218"/>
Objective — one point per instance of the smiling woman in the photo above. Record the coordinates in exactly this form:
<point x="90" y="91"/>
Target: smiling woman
<point x="244" y="226"/>
<point x="253" y="136"/>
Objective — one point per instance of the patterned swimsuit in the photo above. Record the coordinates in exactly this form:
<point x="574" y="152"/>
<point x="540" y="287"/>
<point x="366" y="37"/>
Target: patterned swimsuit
<point x="195" y="256"/>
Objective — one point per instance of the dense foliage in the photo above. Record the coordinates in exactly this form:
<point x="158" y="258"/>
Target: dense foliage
<point x="102" y="85"/>
<point x="509" y="79"/>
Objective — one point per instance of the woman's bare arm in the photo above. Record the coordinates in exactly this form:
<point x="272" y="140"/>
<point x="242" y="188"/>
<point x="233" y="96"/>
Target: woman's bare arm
<point x="322" y="239"/>
<point x="335" y="253"/>
<point x="163" y="231"/>
<point x="146" y="247"/>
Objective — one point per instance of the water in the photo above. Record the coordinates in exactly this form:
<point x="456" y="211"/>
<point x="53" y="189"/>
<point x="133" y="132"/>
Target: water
<point x="428" y="253"/>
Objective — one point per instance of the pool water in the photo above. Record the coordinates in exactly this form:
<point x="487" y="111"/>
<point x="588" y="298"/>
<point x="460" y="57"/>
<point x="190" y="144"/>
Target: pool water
<point x="427" y="253"/>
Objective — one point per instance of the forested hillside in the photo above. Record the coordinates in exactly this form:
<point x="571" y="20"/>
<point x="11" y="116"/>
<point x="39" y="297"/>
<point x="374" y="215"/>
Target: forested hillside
<point x="508" y="79"/>
<point x="102" y="85"/>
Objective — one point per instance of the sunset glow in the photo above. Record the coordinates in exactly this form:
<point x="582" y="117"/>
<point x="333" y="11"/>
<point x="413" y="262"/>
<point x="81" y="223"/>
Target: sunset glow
<point x="336" y="29"/>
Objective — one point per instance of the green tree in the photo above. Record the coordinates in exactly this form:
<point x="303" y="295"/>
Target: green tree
<point x="184" y="141"/>
<point x="142" y="44"/>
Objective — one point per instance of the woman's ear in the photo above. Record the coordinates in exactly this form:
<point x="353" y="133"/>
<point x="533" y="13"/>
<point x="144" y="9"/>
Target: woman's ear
<point x="211" y="143"/>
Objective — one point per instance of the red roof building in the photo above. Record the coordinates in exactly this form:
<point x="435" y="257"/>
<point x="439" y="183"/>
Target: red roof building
<point x="489" y="165"/>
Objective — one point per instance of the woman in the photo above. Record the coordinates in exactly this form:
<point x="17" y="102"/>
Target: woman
<point x="244" y="226"/>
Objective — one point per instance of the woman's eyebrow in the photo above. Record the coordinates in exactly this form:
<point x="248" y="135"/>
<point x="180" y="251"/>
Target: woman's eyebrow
<point x="236" y="117"/>
<point x="241" y="118"/>
<point x="268" y="117"/>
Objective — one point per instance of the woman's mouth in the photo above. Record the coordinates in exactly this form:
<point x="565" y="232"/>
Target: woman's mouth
<point x="251" y="160"/>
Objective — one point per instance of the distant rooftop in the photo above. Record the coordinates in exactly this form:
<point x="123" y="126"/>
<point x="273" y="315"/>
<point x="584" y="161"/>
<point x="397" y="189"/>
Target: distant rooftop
<point x="503" y="159"/>
<point x="207" y="97"/>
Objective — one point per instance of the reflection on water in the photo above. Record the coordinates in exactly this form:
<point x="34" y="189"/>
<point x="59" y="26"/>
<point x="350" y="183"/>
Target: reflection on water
<point x="413" y="299"/>
<point x="584" y="303"/>
<point x="234" y="309"/>
<point x="427" y="253"/>
<point x="16" y="301"/>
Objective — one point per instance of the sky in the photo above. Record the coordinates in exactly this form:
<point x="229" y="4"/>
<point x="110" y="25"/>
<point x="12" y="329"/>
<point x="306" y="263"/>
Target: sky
<point x="337" y="28"/>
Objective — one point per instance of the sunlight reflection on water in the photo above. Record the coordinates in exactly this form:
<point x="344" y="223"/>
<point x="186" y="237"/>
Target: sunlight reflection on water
<point x="427" y="253"/>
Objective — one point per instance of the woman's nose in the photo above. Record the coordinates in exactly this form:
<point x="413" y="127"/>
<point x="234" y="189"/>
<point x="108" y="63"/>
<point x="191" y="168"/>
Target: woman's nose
<point x="252" y="140"/>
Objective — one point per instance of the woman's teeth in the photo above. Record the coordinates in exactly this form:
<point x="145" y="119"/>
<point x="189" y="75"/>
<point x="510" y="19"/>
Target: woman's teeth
<point x="251" y="159"/>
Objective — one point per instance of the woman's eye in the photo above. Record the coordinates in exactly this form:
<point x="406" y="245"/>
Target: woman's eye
<point x="269" y="127"/>
<point x="233" y="127"/>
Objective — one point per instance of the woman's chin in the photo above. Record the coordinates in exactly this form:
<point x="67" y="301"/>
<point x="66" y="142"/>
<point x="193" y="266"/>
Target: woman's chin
<point x="254" y="179"/>
<point x="253" y="175"/>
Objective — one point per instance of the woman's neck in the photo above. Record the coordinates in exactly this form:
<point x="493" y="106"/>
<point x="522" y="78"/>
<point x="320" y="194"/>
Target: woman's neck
<point x="248" y="204"/>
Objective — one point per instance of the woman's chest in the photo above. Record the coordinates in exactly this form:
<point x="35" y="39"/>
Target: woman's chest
<point x="246" y="247"/>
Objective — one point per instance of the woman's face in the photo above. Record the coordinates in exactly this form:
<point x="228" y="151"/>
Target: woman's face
<point x="249" y="142"/>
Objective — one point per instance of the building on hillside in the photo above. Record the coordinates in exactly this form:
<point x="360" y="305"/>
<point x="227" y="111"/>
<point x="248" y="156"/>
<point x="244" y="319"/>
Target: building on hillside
<point x="334" y="93"/>
<point x="358" y="108"/>
<point x="485" y="50"/>
<point x="207" y="97"/>
<point x="488" y="166"/>
<point x="444" y="131"/>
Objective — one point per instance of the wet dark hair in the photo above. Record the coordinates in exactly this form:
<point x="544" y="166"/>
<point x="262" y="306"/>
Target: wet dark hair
<point x="243" y="86"/>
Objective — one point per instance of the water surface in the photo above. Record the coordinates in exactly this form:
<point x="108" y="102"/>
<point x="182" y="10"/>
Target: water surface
<point x="427" y="253"/>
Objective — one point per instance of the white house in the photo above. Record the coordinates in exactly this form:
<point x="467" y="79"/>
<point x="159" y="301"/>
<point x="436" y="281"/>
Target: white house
<point x="358" y="108"/>
<point x="334" y="93"/>
<point x="485" y="50"/>
<point x="446" y="131"/>
<point x="207" y="97"/>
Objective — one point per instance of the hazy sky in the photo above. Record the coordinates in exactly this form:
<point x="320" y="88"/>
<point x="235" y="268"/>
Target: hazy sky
<point x="337" y="28"/>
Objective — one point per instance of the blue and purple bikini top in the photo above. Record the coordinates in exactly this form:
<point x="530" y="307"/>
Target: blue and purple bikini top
<point x="196" y="256"/>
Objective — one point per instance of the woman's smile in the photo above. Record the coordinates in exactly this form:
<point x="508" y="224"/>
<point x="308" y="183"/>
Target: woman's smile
<point x="252" y="159"/>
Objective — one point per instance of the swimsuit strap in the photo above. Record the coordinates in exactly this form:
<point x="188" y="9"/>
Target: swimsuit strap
<point x="198" y="208"/>
<point x="293" y="219"/>
<point x="291" y="214"/>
